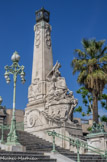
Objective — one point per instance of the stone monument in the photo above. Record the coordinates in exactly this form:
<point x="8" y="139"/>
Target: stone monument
<point x="50" y="103"/>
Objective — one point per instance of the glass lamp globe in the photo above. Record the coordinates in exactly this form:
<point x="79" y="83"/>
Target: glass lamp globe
<point x="8" y="80"/>
<point x="22" y="74"/>
<point x="15" y="57"/>
<point x="6" y="75"/>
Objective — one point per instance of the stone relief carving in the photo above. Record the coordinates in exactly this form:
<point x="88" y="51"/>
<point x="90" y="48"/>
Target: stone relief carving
<point x="47" y="34"/>
<point x="37" y="35"/>
<point x="35" y="90"/>
<point x="60" y="102"/>
<point x="37" y="38"/>
<point x="48" y="37"/>
<point x="33" y="119"/>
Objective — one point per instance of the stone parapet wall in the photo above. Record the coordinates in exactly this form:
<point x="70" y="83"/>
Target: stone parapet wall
<point x="19" y="116"/>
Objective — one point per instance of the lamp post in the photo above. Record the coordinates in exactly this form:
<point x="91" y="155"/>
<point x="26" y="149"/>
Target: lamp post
<point x="14" y="69"/>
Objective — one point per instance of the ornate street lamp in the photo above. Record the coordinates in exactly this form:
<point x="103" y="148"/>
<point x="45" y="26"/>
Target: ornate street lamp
<point x="14" y="69"/>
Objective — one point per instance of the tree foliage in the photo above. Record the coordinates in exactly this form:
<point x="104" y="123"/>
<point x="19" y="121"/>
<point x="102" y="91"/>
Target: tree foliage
<point x="87" y="102"/>
<point x="103" y="99"/>
<point x="91" y="64"/>
<point x="104" y="118"/>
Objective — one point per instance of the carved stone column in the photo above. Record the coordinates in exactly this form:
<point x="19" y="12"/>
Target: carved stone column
<point x="42" y="57"/>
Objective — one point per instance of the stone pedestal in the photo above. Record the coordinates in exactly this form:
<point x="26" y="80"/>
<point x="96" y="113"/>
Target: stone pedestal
<point x="97" y="140"/>
<point x="14" y="148"/>
<point x="38" y="124"/>
<point x="63" y="130"/>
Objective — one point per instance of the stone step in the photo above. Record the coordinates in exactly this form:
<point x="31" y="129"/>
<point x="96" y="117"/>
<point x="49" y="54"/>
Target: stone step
<point x="86" y="158"/>
<point x="30" y="160"/>
<point x="90" y="160"/>
<point x="22" y="153"/>
<point x="36" y="146"/>
<point x="24" y="156"/>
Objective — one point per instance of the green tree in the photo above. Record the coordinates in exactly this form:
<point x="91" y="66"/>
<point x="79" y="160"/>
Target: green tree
<point x="86" y="100"/>
<point x="91" y="63"/>
<point x="104" y="118"/>
<point x="103" y="99"/>
<point x="104" y="105"/>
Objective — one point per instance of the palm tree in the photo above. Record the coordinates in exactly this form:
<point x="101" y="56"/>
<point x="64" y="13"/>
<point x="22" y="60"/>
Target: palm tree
<point x="91" y="63"/>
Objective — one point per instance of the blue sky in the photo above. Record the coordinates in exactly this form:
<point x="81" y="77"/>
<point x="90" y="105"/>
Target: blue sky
<point x="71" y="20"/>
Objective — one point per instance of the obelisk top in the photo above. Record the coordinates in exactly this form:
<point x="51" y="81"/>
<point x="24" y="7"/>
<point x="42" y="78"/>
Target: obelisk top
<point x="42" y="14"/>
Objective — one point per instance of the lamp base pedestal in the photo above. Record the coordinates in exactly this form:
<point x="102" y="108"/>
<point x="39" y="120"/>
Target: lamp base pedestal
<point x="12" y="138"/>
<point x="14" y="148"/>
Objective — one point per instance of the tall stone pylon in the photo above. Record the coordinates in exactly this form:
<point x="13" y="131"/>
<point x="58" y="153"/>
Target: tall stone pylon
<point x="42" y="56"/>
<point x="50" y="102"/>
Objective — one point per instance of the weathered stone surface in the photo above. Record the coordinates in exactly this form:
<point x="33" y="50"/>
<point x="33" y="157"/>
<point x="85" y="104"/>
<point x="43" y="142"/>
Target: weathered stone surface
<point x="50" y="103"/>
<point x="97" y="140"/>
<point x="13" y="148"/>
<point x="42" y="57"/>
<point x="42" y="61"/>
<point x="60" y="101"/>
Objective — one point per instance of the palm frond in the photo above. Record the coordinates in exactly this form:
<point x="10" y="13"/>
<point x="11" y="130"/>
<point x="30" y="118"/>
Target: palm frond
<point x="82" y="76"/>
<point x="85" y="43"/>
<point x="100" y="43"/>
<point x="80" y="53"/>
<point x="102" y="53"/>
<point x="92" y="61"/>
<point x="103" y="59"/>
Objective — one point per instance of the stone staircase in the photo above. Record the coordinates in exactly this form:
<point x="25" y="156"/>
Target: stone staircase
<point x="24" y="156"/>
<point x="35" y="148"/>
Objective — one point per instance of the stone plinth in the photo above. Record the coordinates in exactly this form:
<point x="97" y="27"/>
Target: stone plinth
<point x="97" y="140"/>
<point x="19" y="115"/>
<point x="38" y="124"/>
<point x="14" y="148"/>
<point x="64" y="130"/>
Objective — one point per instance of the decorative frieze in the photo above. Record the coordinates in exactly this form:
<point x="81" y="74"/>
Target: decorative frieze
<point x="37" y="35"/>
